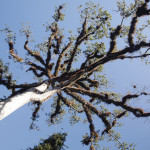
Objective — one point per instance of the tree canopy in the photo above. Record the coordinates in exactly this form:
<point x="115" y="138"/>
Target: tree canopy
<point x="70" y="68"/>
<point x="54" y="142"/>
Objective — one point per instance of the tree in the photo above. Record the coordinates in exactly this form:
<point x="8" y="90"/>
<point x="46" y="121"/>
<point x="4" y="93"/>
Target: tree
<point x="79" y="87"/>
<point x="54" y="142"/>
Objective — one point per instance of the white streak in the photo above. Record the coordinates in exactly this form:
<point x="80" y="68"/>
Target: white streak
<point x="13" y="103"/>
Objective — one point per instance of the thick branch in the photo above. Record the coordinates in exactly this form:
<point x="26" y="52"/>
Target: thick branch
<point x="113" y="37"/>
<point x="83" y="36"/>
<point x="138" y="112"/>
<point x="13" y="103"/>
<point x="90" y="107"/>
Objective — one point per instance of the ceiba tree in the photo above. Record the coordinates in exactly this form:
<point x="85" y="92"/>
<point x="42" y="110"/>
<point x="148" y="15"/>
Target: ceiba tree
<point x="71" y="68"/>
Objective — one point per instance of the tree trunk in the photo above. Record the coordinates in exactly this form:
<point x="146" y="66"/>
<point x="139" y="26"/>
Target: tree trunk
<point x="13" y="103"/>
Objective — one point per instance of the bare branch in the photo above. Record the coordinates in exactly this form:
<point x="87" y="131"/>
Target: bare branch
<point x="57" y="68"/>
<point x="57" y="110"/>
<point x="34" y="54"/>
<point x="113" y="37"/>
<point x="132" y="31"/>
<point x="94" y="134"/>
<point x="12" y="52"/>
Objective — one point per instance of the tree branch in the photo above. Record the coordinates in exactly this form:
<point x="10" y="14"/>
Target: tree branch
<point x="12" y="52"/>
<point x="34" y="54"/>
<point x="138" y="112"/>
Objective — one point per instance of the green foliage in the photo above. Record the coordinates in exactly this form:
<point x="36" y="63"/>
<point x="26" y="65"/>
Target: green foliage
<point x="54" y="142"/>
<point x="128" y="10"/>
<point x="10" y="36"/>
<point x="26" y="30"/>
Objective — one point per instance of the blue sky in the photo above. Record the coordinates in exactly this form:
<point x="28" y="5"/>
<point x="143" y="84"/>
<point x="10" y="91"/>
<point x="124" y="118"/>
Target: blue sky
<point x="14" y="130"/>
